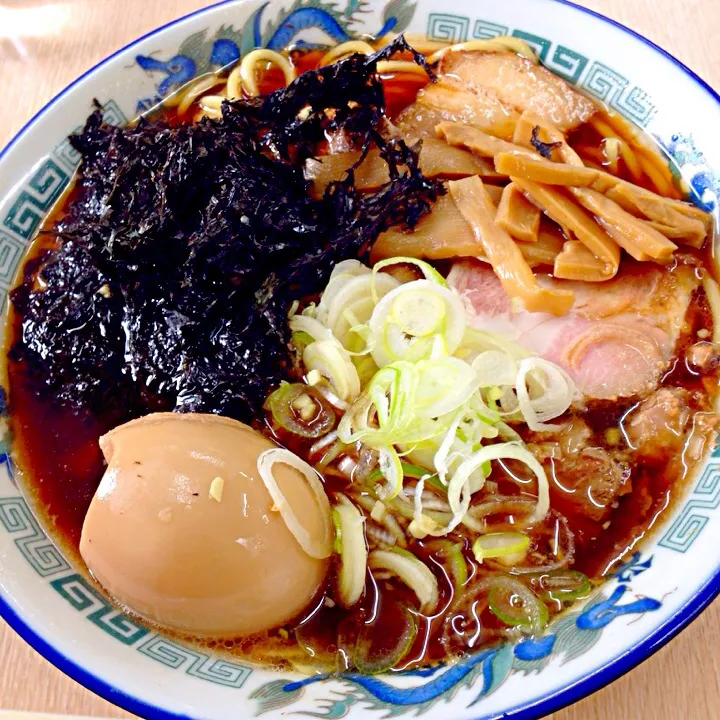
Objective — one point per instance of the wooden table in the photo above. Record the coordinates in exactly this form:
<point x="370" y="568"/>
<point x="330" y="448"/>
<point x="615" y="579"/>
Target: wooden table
<point x="44" y="45"/>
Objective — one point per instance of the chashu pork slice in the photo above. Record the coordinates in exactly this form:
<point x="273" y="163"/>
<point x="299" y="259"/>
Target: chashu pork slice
<point x="447" y="102"/>
<point x="618" y="338"/>
<point x="519" y="84"/>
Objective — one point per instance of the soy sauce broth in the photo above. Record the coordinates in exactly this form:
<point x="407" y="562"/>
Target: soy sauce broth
<point x="58" y="455"/>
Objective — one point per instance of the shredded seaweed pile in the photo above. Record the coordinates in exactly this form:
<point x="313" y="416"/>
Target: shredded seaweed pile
<point x="185" y="246"/>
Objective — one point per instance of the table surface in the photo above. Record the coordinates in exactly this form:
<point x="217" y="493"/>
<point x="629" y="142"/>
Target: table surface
<point x="44" y="45"/>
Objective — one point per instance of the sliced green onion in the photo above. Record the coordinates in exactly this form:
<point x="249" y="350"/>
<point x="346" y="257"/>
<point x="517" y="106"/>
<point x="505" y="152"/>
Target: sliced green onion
<point x="404" y="508"/>
<point x="310" y="325"/>
<point x="340" y="276"/>
<point x="350" y="545"/>
<point x="516" y="605"/>
<point x="475" y="425"/>
<point x="418" y="313"/>
<point x="413" y="572"/>
<point x="557" y="390"/>
<point x="391" y="469"/>
<point x="366" y="368"/>
<point x="417" y="472"/>
<point x="350" y="317"/>
<point x="477" y="478"/>
<point x="354" y="423"/>
<point x="349" y="267"/>
<point x="282" y="403"/>
<point x="421" y="525"/>
<point x="391" y="391"/>
<point x="428" y="271"/>
<point x="439" y="347"/>
<point x="441" y="456"/>
<point x="405" y="387"/>
<point x="414" y="471"/>
<point x="509" y="547"/>
<point x="459" y="496"/>
<point x="507" y="433"/>
<point x="300" y="340"/>
<point x="317" y="547"/>
<point x="383" y="644"/>
<point x="353" y="304"/>
<point x="421" y="454"/>
<point x="466" y="432"/>
<point x="443" y="385"/>
<point x="337" y="542"/>
<point x="332" y="453"/>
<point x="502" y="505"/>
<point x="390" y="342"/>
<point x="494" y="367"/>
<point x="452" y="552"/>
<point x="379" y="511"/>
<point x="563" y="585"/>
<point x="389" y="402"/>
<point x="484" y="413"/>
<point x="331" y="360"/>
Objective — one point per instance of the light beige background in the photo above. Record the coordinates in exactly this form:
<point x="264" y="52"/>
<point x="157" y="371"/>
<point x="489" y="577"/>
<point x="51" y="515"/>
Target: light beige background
<point x="44" y="45"/>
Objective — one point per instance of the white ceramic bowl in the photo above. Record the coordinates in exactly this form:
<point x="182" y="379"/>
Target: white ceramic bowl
<point x="665" y="584"/>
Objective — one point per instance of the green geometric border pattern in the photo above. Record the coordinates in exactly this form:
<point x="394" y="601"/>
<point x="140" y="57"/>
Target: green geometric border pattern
<point x="196" y="664"/>
<point x="33" y="202"/>
<point x="597" y="79"/>
<point x="689" y="523"/>
<point x="34" y="199"/>
<point x="46" y="560"/>
<point x="34" y="545"/>
<point x="77" y="591"/>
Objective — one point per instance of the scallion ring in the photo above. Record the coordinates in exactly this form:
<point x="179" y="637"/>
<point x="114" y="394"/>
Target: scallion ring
<point x="413" y="572"/>
<point x="352" y="548"/>
<point x="313" y="546"/>
<point x="508" y="547"/>
<point x="301" y="410"/>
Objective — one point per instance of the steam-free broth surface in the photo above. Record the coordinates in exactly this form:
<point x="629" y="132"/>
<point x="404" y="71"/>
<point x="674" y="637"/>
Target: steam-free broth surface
<point x="56" y="447"/>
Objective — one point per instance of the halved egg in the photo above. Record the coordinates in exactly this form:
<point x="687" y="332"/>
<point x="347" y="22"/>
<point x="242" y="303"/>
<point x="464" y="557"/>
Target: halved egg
<point x="183" y="531"/>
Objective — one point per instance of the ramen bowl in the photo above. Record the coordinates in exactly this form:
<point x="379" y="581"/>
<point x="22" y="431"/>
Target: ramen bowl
<point x="662" y="585"/>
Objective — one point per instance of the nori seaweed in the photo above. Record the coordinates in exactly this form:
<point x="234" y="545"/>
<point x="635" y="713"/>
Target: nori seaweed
<point x="545" y="149"/>
<point x="185" y="245"/>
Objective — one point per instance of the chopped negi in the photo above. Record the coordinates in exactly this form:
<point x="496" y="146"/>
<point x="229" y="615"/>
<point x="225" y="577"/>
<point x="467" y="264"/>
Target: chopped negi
<point x="185" y="246"/>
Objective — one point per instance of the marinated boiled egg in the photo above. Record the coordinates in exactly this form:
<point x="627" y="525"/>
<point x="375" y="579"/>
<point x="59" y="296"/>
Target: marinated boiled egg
<point x="184" y="530"/>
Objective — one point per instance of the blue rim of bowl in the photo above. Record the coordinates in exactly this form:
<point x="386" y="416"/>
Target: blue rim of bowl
<point x="593" y="681"/>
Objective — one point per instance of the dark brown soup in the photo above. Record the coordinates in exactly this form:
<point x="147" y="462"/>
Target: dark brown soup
<point x="56" y="448"/>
